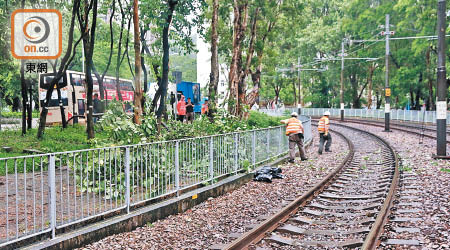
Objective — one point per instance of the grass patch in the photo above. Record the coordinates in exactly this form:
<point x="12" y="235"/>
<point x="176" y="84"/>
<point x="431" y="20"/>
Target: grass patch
<point x="10" y="114"/>
<point x="446" y="170"/>
<point x="55" y="140"/>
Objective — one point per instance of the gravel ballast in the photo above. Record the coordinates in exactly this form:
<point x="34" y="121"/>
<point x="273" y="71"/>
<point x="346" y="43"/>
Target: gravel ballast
<point x="424" y="194"/>
<point x="212" y="222"/>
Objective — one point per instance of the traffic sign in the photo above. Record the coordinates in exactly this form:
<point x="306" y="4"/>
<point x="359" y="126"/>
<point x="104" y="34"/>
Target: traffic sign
<point x="388" y="92"/>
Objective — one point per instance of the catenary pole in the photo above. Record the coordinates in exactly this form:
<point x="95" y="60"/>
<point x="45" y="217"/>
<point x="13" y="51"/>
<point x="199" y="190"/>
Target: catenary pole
<point x="441" y="105"/>
<point x="387" y="106"/>
<point x="342" y="82"/>
<point x="299" y="106"/>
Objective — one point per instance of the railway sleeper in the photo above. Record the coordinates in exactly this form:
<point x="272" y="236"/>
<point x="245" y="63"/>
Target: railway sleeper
<point x="369" y="213"/>
<point x="291" y="229"/>
<point x="288" y="241"/>
<point x="309" y="221"/>
<point x="366" y="207"/>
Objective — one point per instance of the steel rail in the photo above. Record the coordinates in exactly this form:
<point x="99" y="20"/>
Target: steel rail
<point x="275" y="220"/>
<point x="371" y="241"/>
<point x="373" y="123"/>
<point x="400" y="124"/>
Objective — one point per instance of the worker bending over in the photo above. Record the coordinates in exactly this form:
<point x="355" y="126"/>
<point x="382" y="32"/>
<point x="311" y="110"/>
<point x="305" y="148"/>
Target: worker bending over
<point x="294" y="130"/>
<point x="324" y="126"/>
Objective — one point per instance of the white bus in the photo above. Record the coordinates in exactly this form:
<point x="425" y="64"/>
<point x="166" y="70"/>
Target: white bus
<point x="73" y="95"/>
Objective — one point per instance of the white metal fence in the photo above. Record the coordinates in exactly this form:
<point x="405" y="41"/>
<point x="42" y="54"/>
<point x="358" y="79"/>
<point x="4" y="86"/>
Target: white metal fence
<point x="402" y="115"/>
<point x="42" y="193"/>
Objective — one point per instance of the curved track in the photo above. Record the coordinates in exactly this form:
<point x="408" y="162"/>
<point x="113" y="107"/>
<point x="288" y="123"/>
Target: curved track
<point x="346" y="209"/>
<point x="418" y="130"/>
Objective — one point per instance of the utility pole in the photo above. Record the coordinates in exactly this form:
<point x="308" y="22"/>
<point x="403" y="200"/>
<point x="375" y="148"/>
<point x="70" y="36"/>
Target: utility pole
<point x="441" y="105"/>
<point x="342" y="81"/>
<point x="299" y="105"/>
<point x="387" y="90"/>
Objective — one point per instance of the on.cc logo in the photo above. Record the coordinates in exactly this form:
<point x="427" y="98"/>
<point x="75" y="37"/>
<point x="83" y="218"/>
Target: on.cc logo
<point x="36" y="34"/>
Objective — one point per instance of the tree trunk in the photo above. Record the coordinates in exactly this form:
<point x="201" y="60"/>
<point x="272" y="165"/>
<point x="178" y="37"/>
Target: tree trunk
<point x="89" y="44"/>
<point x="119" y="51"/>
<point x="158" y="91"/>
<point x="430" y="101"/>
<point x="242" y="86"/>
<point x="100" y="78"/>
<point x="61" y="107"/>
<point x="165" y="72"/>
<point x="137" y="66"/>
<point x="411" y="98"/>
<point x="30" y="105"/>
<point x="214" y="75"/>
<point x="240" y="10"/>
<point x="354" y="83"/>
<point x="379" y="99"/>
<point x="24" y="97"/>
<point x="256" y="79"/>
<point x="63" y="66"/>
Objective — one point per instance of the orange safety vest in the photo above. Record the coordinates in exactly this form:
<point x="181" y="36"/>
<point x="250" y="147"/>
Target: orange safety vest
<point x="181" y="107"/>
<point x="294" y="126"/>
<point x="205" y="108"/>
<point x="324" y="124"/>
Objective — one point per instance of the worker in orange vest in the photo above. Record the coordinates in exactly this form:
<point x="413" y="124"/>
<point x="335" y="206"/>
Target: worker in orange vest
<point x="294" y="130"/>
<point x="205" y="108"/>
<point x="181" y="109"/>
<point x="323" y="128"/>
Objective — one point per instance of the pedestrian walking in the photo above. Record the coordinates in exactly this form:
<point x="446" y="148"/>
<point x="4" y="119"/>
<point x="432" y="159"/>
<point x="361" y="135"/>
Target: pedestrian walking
<point x="294" y="130"/>
<point x="96" y="107"/>
<point x="189" y="111"/>
<point x="323" y="128"/>
<point x="181" y="109"/>
<point x="205" y="108"/>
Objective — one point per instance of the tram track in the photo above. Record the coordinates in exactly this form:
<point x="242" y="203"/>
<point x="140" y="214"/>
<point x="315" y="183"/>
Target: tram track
<point x="348" y="208"/>
<point x="408" y="128"/>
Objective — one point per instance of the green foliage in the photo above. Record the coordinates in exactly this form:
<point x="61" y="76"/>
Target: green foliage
<point x="261" y="120"/>
<point x="11" y="114"/>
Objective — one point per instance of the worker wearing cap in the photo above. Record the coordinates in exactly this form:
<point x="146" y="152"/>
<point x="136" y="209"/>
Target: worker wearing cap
<point x="205" y="108"/>
<point x="323" y="128"/>
<point x="294" y="130"/>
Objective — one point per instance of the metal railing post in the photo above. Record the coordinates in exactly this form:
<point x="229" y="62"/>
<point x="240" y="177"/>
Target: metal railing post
<point x="236" y="152"/>
<point x="279" y="142"/>
<point x="127" y="178"/>
<point x="211" y="158"/>
<point x="254" y="148"/>
<point x="52" y="196"/>
<point x="177" y="167"/>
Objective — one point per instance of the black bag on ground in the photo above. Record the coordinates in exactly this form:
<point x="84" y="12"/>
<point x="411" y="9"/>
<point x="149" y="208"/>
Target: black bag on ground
<point x="263" y="177"/>
<point x="266" y="173"/>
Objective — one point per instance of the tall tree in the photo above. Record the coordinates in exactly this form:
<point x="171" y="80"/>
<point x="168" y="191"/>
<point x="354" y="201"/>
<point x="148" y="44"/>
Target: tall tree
<point x="65" y="62"/>
<point x="89" y="44"/>
<point x="101" y="77"/>
<point x="137" y="66"/>
<point x="240" y="13"/>
<point x="214" y="75"/>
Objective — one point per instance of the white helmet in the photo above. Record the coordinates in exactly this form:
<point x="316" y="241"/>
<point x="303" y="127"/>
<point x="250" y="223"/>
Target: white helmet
<point x="294" y="114"/>
<point x="327" y="113"/>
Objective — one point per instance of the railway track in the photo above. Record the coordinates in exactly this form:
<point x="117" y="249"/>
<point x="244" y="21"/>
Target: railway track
<point x="347" y="209"/>
<point x="427" y="132"/>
